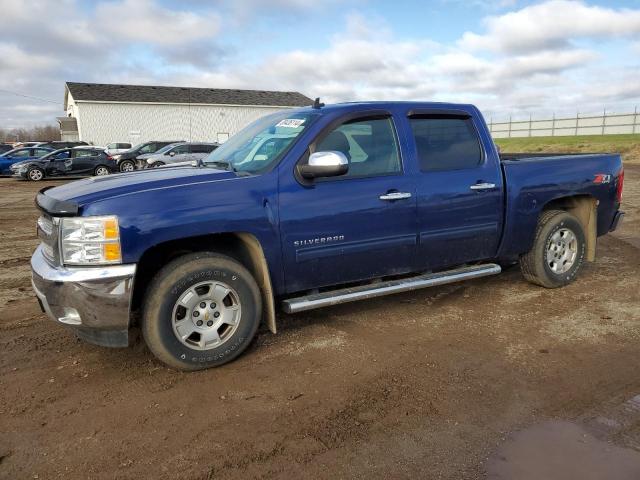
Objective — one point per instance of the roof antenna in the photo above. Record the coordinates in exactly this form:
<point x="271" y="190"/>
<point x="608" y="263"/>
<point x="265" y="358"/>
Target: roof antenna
<point x="317" y="104"/>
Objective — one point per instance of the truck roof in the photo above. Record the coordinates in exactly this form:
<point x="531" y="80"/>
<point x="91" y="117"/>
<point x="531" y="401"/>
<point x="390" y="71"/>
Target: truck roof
<point x="382" y="104"/>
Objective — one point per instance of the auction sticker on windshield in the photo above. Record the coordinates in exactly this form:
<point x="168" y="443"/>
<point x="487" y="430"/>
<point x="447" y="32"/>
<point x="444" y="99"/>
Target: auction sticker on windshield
<point x="291" y="122"/>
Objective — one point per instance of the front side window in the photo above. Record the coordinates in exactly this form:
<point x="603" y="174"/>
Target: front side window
<point x="39" y="152"/>
<point x="179" y="150"/>
<point x="369" y="144"/>
<point x="446" y="143"/>
<point x="21" y="153"/>
<point x="149" y="148"/>
<point x="262" y="144"/>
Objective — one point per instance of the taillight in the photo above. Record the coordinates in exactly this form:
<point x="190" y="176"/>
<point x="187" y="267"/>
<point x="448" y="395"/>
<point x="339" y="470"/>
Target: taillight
<point x="619" y="186"/>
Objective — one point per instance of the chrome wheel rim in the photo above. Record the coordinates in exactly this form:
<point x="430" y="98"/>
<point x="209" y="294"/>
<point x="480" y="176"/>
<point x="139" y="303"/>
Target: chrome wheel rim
<point x="127" y="167"/>
<point x="206" y="315"/>
<point x="562" y="250"/>
<point x="102" y="171"/>
<point x="35" y="175"/>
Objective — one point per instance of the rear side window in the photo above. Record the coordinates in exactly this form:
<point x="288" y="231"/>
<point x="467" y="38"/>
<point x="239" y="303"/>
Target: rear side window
<point x="202" y="148"/>
<point x="369" y="145"/>
<point x="446" y="143"/>
<point x="84" y="153"/>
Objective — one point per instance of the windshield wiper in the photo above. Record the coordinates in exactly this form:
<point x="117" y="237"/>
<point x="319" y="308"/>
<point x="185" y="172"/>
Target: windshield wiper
<point x="224" y="164"/>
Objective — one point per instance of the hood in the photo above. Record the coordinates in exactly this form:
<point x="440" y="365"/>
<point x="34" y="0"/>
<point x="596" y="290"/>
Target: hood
<point x="95" y="189"/>
<point x="22" y="163"/>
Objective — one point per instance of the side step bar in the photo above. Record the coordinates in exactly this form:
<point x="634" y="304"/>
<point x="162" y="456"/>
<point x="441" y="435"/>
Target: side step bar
<point x="362" y="292"/>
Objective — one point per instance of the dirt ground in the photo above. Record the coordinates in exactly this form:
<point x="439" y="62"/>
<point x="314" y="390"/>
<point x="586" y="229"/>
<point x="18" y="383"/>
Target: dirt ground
<point x="428" y="384"/>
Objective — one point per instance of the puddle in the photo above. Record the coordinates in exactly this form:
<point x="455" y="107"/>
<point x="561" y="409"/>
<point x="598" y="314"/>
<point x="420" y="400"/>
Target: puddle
<point x="560" y="450"/>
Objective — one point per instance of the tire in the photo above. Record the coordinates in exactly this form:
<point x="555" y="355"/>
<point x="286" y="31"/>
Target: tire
<point x="127" y="166"/>
<point x="35" y="174"/>
<point x="101" y="171"/>
<point x="166" y="315"/>
<point x="558" y="250"/>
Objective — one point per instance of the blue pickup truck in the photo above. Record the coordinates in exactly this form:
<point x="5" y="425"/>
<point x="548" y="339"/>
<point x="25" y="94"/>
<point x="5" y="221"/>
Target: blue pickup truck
<point x="308" y="208"/>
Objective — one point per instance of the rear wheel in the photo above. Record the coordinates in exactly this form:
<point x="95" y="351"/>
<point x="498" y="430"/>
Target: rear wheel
<point x="202" y="310"/>
<point x="558" y="250"/>
<point x="35" y="174"/>
<point x="127" y="166"/>
<point x="101" y="170"/>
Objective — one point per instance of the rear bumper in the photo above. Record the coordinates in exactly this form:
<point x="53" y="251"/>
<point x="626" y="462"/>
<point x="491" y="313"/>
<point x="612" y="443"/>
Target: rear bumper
<point x="617" y="220"/>
<point x="95" y="301"/>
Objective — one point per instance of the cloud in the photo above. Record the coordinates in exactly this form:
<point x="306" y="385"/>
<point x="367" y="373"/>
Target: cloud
<point x="551" y="25"/>
<point x="529" y="59"/>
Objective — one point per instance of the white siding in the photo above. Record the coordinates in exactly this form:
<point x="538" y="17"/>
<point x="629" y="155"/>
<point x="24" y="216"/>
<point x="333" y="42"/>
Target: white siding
<point x="102" y="123"/>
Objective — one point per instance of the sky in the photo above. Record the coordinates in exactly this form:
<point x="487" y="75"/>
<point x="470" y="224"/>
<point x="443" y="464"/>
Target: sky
<point x="509" y="57"/>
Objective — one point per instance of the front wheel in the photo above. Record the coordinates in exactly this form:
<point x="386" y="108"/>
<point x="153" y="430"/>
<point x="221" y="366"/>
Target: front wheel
<point x="101" y="170"/>
<point x="558" y="250"/>
<point x="202" y="310"/>
<point x="35" y="174"/>
<point x="127" y="166"/>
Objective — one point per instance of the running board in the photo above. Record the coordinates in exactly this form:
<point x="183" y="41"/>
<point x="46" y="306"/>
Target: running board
<point x="362" y="292"/>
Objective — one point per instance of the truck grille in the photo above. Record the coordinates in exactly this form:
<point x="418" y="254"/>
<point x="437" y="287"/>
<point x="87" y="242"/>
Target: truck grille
<point x="47" y="229"/>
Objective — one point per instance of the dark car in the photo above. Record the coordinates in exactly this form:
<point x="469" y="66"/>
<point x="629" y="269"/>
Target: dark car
<point x="66" y="161"/>
<point x="4" y="148"/>
<point x="126" y="161"/>
<point x="56" y="145"/>
<point x="20" y="154"/>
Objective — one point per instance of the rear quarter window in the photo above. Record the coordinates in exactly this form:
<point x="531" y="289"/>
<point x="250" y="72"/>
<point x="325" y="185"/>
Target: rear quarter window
<point x="446" y="143"/>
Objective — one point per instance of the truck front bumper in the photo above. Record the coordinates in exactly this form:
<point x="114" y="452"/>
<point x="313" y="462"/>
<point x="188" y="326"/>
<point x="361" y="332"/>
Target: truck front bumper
<point x="93" y="301"/>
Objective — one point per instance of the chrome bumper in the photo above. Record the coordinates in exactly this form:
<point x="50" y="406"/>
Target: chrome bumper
<point x="94" y="301"/>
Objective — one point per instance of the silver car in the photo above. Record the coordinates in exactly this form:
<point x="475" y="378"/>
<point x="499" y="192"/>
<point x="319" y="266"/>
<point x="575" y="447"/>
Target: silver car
<point x="177" y="153"/>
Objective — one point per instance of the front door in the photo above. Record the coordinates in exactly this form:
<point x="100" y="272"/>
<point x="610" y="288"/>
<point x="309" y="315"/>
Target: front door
<point x="459" y="192"/>
<point x="354" y="227"/>
<point x="59" y="163"/>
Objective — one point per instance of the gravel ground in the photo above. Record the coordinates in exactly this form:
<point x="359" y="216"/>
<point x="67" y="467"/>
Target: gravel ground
<point x="427" y="384"/>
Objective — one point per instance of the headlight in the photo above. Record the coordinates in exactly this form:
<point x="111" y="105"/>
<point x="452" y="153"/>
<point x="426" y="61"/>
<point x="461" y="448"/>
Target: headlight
<point x="90" y="240"/>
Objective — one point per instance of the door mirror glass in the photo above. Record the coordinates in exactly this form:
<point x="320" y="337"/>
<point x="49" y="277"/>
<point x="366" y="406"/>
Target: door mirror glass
<point x="325" y="164"/>
<point x="172" y="154"/>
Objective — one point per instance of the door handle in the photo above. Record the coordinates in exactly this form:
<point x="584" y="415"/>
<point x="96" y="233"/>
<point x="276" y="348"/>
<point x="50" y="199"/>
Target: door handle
<point x="483" y="186"/>
<point x="391" y="196"/>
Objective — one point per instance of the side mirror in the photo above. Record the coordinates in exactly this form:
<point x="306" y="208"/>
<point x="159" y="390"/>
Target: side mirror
<point x="325" y="164"/>
<point x="172" y="154"/>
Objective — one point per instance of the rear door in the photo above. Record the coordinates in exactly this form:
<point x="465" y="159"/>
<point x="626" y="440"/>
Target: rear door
<point x="83" y="161"/>
<point x="459" y="189"/>
<point x="357" y="226"/>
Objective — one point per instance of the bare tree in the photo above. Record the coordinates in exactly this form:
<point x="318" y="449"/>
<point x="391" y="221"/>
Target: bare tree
<point x="43" y="133"/>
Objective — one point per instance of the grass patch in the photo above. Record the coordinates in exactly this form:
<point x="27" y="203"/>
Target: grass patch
<point x="627" y="145"/>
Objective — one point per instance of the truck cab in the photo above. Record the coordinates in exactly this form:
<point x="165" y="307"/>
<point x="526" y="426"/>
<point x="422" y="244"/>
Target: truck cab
<point x="308" y="208"/>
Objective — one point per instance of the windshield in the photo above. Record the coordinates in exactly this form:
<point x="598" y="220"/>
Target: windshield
<point x="11" y="152"/>
<point x="256" y="147"/>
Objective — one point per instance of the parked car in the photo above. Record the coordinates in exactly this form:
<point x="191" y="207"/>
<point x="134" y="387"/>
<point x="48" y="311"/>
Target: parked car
<point x="58" y="144"/>
<point x="176" y="153"/>
<point x="127" y="160"/>
<point x="66" y="162"/>
<point x="362" y="200"/>
<point x="4" y="148"/>
<point x="20" y="154"/>
<point x="115" y="148"/>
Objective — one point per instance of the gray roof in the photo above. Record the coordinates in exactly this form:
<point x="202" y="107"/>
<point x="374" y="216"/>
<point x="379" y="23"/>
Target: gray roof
<point x="102" y="92"/>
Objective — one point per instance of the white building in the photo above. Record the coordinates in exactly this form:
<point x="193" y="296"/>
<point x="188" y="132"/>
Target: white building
<point x="105" y="113"/>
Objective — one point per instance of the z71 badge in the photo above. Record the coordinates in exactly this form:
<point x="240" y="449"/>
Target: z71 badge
<point x="602" y="178"/>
